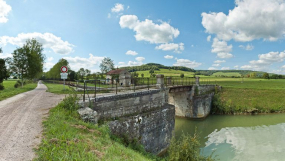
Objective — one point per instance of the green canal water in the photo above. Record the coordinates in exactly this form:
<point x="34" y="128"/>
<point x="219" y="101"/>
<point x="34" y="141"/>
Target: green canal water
<point x="241" y="138"/>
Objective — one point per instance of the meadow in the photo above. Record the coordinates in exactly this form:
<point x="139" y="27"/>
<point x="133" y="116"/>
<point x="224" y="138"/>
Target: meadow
<point x="10" y="90"/>
<point x="166" y="73"/>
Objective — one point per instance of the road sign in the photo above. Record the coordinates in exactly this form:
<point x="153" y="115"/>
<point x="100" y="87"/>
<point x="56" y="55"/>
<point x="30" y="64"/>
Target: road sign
<point x="63" y="75"/>
<point x="64" y="69"/>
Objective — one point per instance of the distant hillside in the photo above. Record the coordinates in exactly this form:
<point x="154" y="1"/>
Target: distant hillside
<point x="156" y="66"/>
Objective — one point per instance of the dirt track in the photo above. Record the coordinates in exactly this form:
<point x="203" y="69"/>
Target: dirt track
<point x="21" y="122"/>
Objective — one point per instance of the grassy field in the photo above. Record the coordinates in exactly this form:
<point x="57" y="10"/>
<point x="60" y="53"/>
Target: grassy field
<point x="58" y="88"/>
<point x="261" y="95"/>
<point x="166" y="72"/>
<point x="10" y="91"/>
<point x="228" y="74"/>
<point x="66" y="137"/>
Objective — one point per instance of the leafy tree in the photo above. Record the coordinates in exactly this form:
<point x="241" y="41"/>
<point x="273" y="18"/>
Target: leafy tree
<point x="3" y="72"/>
<point x="28" y="60"/>
<point x="54" y="72"/>
<point x="182" y="75"/>
<point x="274" y="76"/>
<point x="106" y="65"/>
<point x="81" y="73"/>
<point x="253" y="75"/>
<point x="72" y="75"/>
<point x="142" y="75"/>
<point x="265" y="76"/>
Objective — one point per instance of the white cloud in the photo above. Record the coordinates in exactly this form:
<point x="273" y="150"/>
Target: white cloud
<point x="247" y="47"/>
<point x="216" y="65"/>
<point x="4" y="10"/>
<point x="48" y="65"/>
<point x="148" y="31"/>
<point x="117" y="8"/>
<point x="186" y="63"/>
<point x="236" y="67"/>
<point x="49" y="58"/>
<point x="87" y="63"/>
<point x="177" y="48"/>
<point x="212" y="68"/>
<point x="225" y="68"/>
<point x="48" y="40"/>
<point x="265" y="60"/>
<point x="168" y="57"/>
<point x="249" y="20"/>
<point x="221" y="48"/>
<point x="6" y="55"/>
<point x="130" y="52"/>
<point x="140" y="59"/>
<point x="209" y="38"/>
<point x="219" y="61"/>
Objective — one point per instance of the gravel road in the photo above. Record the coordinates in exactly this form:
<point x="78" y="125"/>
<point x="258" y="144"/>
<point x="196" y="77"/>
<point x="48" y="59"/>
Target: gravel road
<point x="21" y="122"/>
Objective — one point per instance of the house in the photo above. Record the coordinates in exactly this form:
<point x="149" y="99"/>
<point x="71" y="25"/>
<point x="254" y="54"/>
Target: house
<point x="123" y="75"/>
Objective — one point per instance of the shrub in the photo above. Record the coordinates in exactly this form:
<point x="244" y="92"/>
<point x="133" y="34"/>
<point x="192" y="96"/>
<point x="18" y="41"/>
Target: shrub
<point x="186" y="148"/>
<point x="16" y="85"/>
<point x="1" y="87"/>
<point x="70" y="102"/>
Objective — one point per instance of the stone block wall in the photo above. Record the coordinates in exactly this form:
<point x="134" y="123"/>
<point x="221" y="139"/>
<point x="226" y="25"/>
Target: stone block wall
<point x="129" y="104"/>
<point x="152" y="129"/>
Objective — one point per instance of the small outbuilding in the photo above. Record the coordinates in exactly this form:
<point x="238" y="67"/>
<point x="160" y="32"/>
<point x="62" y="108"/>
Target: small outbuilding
<point x="123" y="75"/>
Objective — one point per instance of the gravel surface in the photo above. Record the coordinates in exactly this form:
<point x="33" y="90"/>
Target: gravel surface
<point x="21" y="122"/>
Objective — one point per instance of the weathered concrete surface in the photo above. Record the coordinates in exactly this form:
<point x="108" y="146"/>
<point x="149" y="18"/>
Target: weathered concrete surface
<point x="21" y="122"/>
<point x="194" y="102"/>
<point x="88" y="115"/>
<point x="129" y="103"/>
<point x="152" y="129"/>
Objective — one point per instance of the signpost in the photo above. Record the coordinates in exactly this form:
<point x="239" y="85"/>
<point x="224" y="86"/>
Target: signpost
<point x="63" y="74"/>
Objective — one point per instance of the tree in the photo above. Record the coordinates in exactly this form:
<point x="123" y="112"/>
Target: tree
<point x="142" y="75"/>
<point x="54" y="72"/>
<point x="28" y="60"/>
<point x="72" y="75"/>
<point x="3" y="72"/>
<point x="106" y="65"/>
<point x="253" y="75"/>
<point x="81" y="73"/>
<point x="265" y="76"/>
<point x="182" y="75"/>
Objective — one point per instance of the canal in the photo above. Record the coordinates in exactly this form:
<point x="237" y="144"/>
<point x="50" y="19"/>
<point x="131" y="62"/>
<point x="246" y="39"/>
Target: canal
<point x="239" y="137"/>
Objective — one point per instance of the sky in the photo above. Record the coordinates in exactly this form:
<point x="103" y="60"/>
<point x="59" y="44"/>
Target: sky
<point x="204" y="34"/>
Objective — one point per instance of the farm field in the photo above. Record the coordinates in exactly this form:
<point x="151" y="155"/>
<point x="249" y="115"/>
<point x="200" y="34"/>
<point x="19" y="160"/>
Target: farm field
<point x="10" y="91"/>
<point x="226" y="74"/>
<point x="167" y="72"/>
<point x="263" y="95"/>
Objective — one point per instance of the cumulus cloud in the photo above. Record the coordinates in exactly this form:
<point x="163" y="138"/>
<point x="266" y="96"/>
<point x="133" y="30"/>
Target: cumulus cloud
<point x="219" y="61"/>
<point x="209" y="38"/>
<point x="117" y="8"/>
<point x="249" y="20"/>
<point x="130" y="52"/>
<point x="4" y="10"/>
<point x="147" y="30"/>
<point x="5" y="55"/>
<point x="221" y="48"/>
<point x="186" y="63"/>
<point x="265" y="60"/>
<point x="48" y="40"/>
<point x="247" y="47"/>
<point x="216" y="65"/>
<point x="139" y="61"/>
<point x="168" y="57"/>
<point x="236" y="67"/>
<point x="177" y="48"/>
<point x="78" y="62"/>
<point x="212" y="68"/>
<point x="225" y="68"/>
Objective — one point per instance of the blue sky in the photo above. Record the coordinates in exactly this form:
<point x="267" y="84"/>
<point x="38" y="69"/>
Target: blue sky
<point x="204" y="34"/>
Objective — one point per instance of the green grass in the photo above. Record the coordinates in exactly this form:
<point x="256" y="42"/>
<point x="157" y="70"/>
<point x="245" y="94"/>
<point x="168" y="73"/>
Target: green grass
<point x="10" y="91"/>
<point x="265" y="96"/>
<point x="66" y="137"/>
<point x="228" y="74"/>
<point x="167" y="73"/>
<point x="58" y="88"/>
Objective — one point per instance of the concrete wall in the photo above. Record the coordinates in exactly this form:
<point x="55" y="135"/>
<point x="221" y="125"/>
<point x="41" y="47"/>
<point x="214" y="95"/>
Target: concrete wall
<point x="193" y="103"/>
<point x="152" y="129"/>
<point x="128" y="104"/>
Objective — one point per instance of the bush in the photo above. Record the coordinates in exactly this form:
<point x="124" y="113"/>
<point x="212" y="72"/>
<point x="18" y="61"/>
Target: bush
<point x="1" y="87"/>
<point x="15" y="77"/>
<point x="186" y="148"/>
<point x="70" y="102"/>
<point x="16" y="85"/>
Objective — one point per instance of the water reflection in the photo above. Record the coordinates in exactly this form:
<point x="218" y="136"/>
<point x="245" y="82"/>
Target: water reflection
<point x="239" y="137"/>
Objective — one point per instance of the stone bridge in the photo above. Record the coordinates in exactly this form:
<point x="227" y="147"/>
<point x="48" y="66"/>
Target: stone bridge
<point x="149" y="116"/>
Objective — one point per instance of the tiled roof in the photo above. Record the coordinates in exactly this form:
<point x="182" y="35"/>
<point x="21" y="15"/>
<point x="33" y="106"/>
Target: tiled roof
<point x="117" y="71"/>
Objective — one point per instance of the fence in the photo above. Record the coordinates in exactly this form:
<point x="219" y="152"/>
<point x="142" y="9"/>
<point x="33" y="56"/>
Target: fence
<point x="94" y="87"/>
